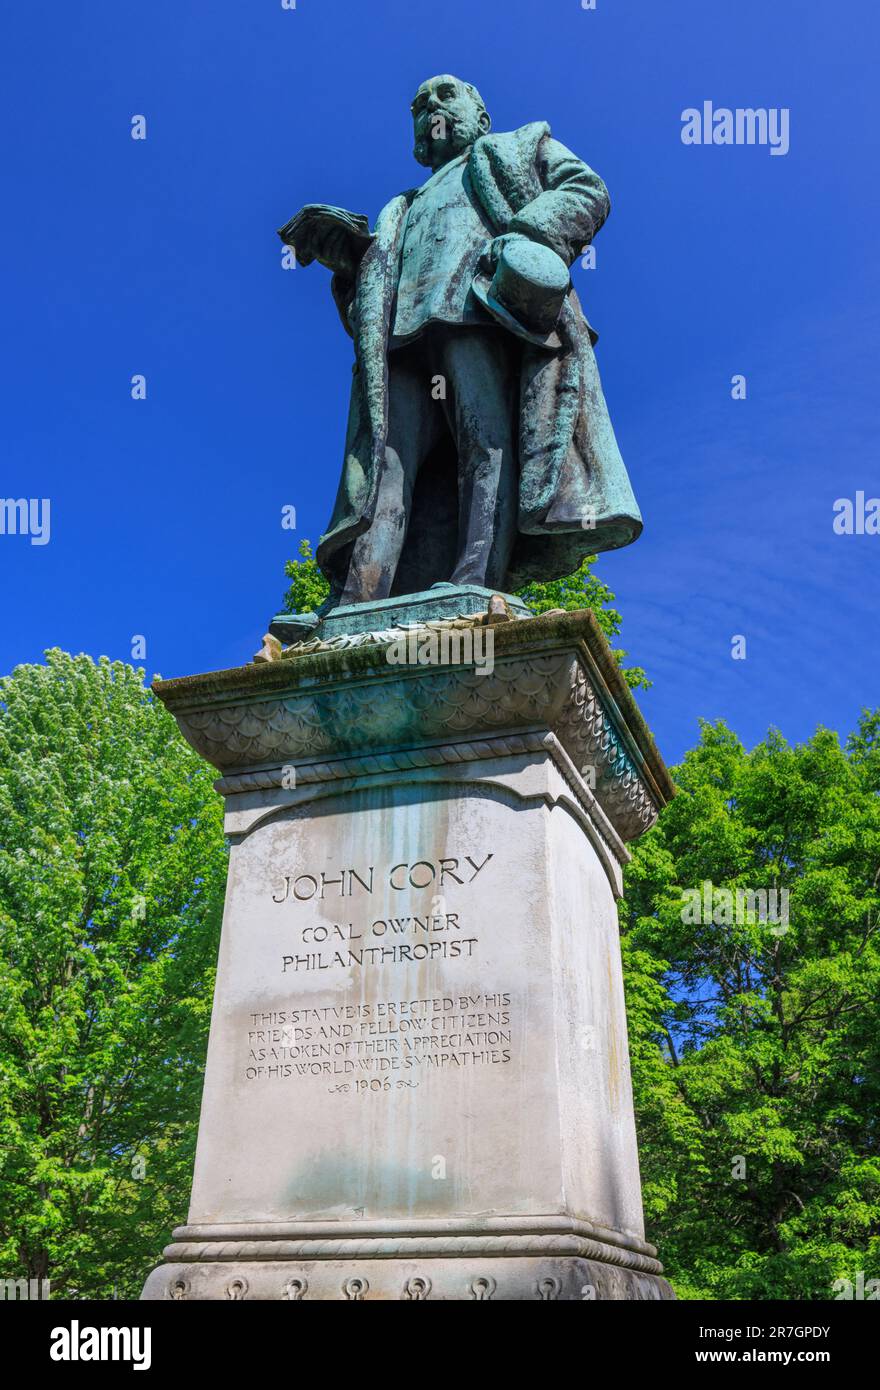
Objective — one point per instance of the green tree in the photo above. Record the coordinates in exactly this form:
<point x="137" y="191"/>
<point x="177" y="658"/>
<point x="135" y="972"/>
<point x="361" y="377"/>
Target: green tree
<point x="755" y="1043"/>
<point x="112" y="868"/>
<point x="308" y="589"/>
<point x="583" y="589"/>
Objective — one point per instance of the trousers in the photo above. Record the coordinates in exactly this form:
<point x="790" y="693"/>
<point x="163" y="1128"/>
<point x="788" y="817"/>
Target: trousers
<point x="460" y="380"/>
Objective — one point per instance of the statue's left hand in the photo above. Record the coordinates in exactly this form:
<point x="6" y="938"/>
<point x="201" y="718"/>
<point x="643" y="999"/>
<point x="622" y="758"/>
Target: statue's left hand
<point x="493" y="249"/>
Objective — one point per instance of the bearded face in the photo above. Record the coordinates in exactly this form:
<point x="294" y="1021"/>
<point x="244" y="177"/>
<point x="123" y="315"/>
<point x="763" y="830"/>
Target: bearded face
<point x="447" y="118"/>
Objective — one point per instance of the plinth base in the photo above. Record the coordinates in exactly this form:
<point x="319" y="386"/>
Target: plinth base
<point x="502" y="1257"/>
<point x="440" y="601"/>
<point x="525" y="1280"/>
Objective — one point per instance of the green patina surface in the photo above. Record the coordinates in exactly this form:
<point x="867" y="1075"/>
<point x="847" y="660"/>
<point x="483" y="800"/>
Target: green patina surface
<point x="323" y="672"/>
<point x="511" y="475"/>
<point x="440" y="601"/>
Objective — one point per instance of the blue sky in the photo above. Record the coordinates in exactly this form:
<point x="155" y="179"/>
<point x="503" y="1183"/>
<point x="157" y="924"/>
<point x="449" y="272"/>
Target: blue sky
<point x="160" y="257"/>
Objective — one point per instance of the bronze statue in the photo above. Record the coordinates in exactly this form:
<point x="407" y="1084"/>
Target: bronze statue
<point x="479" y="448"/>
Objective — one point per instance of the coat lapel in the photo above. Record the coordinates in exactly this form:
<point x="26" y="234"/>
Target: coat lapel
<point x="503" y="170"/>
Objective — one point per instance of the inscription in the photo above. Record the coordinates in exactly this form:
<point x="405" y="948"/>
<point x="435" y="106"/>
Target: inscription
<point x="441" y="1033"/>
<point x="376" y="1084"/>
<point x="423" y="873"/>
<point x="381" y="955"/>
<point x="432" y="934"/>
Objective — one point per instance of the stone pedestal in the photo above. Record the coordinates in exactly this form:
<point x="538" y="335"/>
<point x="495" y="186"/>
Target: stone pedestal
<point x="418" y="1082"/>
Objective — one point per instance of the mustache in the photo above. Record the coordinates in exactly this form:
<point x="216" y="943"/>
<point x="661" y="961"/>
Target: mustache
<point x="451" y="121"/>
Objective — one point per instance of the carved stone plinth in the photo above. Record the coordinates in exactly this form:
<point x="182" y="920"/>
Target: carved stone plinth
<point x="418" y="1082"/>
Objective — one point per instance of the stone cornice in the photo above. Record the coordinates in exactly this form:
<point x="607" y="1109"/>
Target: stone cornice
<point x="552" y="674"/>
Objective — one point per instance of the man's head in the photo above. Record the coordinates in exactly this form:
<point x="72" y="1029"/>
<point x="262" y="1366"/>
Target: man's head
<point x="448" y="116"/>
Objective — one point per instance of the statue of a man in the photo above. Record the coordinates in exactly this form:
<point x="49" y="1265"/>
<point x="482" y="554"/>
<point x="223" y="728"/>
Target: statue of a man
<point x="479" y="448"/>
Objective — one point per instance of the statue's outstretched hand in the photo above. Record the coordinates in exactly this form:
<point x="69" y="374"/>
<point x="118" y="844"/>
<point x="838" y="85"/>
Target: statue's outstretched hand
<point x="332" y="236"/>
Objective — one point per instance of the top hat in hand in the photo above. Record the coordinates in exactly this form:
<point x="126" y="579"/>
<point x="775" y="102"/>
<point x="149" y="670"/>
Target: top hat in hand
<point x="527" y="291"/>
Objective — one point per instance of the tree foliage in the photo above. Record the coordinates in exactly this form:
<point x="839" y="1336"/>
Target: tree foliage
<point x="112" y="867"/>
<point x="583" y="589"/>
<point x="308" y="586"/>
<point x="755" y="1044"/>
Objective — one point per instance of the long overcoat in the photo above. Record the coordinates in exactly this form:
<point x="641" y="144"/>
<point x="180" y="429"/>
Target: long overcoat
<point x="575" y="496"/>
